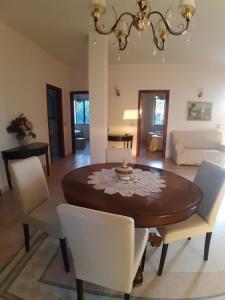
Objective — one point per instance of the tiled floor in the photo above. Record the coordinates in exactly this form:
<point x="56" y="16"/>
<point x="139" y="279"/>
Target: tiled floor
<point x="10" y="226"/>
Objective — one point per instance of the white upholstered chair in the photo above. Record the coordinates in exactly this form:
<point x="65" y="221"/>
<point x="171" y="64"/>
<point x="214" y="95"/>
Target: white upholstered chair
<point x="31" y="189"/>
<point x="117" y="155"/>
<point x="106" y="248"/>
<point x="210" y="178"/>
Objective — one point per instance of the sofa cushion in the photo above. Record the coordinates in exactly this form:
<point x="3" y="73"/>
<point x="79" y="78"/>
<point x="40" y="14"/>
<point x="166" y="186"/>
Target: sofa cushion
<point x="204" y="139"/>
<point x="191" y="156"/>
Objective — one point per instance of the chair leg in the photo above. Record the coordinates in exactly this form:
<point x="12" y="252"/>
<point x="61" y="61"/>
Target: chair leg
<point x="207" y="244"/>
<point x="162" y="259"/>
<point x="64" y="254"/>
<point x="26" y="236"/>
<point x="79" y="289"/>
<point x="127" y="297"/>
<point x="143" y="260"/>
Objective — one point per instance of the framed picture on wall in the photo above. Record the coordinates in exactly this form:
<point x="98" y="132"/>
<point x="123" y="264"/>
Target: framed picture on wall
<point x="199" y="111"/>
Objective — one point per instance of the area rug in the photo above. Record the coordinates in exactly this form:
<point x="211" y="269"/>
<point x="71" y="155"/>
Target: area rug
<point x="39" y="274"/>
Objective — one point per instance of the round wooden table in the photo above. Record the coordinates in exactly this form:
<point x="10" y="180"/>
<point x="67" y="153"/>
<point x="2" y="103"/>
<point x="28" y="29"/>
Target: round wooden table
<point x="179" y="200"/>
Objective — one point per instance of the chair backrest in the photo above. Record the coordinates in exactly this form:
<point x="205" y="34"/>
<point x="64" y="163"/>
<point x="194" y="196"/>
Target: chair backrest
<point x="29" y="183"/>
<point x="116" y="155"/>
<point x="210" y="178"/>
<point x="102" y="246"/>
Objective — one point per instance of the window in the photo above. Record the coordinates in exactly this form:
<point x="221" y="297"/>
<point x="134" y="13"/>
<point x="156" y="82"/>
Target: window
<point x="81" y="108"/>
<point x="159" y="112"/>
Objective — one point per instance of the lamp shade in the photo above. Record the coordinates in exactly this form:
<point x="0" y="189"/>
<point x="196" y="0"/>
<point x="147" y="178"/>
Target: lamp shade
<point x="99" y="4"/>
<point x="187" y="4"/>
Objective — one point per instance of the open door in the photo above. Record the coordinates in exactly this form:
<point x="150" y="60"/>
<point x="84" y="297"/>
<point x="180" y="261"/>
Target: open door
<point x="80" y="122"/>
<point x="55" y="122"/>
<point x="153" y="108"/>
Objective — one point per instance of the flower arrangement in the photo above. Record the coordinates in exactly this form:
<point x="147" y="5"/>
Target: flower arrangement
<point x="22" y="127"/>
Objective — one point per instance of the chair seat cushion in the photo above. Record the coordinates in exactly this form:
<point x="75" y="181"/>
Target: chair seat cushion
<point x="141" y="238"/>
<point x="192" y="226"/>
<point x="46" y="219"/>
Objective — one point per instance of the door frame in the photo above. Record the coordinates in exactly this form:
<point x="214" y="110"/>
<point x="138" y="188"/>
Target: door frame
<point x="72" y="118"/>
<point x="167" y="92"/>
<point x="60" y="119"/>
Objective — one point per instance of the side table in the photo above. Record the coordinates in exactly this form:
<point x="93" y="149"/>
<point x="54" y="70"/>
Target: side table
<point x="126" y="138"/>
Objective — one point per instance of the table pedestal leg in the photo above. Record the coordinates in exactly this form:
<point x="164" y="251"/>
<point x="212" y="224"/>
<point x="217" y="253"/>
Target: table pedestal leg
<point x="154" y="239"/>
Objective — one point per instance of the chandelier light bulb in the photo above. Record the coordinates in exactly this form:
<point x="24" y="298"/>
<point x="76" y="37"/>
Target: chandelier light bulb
<point x="162" y="30"/>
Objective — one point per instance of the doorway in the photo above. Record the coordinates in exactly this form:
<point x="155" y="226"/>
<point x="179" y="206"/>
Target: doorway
<point x="55" y="122"/>
<point x="152" y="123"/>
<point x="80" y="122"/>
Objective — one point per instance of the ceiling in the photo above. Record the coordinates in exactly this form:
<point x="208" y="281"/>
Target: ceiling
<point x="61" y="28"/>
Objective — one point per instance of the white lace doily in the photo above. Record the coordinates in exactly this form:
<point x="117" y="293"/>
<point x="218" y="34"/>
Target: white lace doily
<point x="141" y="183"/>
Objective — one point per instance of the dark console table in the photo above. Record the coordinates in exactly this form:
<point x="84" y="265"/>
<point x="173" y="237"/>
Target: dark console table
<point x="34" y="149"/>
<point x="126" y="138"/>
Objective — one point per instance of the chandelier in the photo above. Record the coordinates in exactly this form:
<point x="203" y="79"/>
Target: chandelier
<point x="141" y="20"/>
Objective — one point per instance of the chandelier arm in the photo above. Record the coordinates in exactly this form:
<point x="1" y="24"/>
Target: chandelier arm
<point x="126" y="38"/>
<point x="159" y="46"/>
<point x="113" y="28"/>
<point x="170" y="30"/>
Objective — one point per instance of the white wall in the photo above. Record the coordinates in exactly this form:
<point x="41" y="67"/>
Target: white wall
<point x="79" y="75"/>
<point x="25" y="70"/>
<point x="183" y="81"/>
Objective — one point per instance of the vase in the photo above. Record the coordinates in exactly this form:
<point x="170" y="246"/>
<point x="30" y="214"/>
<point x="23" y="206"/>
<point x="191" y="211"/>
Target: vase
<point x="23" y="142"/>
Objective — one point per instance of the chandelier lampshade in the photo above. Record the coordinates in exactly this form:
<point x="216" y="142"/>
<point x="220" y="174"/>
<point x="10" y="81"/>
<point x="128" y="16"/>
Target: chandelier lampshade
<point x="187" y="8"/>
<point x="98" y="8"/>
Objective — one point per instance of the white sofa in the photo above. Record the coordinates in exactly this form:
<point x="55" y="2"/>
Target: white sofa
<point x="192" y="147"/>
